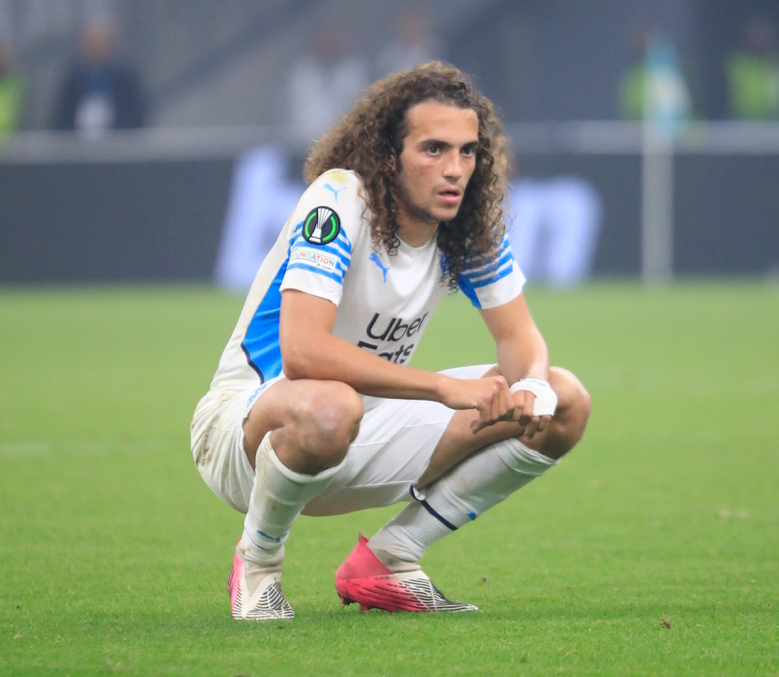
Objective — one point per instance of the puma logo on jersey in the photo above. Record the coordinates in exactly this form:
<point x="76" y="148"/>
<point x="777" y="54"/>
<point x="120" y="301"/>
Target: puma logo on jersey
<point x="375" y="258"/>
<point x="334" y="191"/>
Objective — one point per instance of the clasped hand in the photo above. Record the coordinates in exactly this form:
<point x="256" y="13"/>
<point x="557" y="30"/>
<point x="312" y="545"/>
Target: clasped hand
<point x="494" y="402"/>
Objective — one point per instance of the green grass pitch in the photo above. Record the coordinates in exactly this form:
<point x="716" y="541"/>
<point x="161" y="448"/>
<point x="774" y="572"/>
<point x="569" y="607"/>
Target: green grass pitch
<point x="652" y="550"/>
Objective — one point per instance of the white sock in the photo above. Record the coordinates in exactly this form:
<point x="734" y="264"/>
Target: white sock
<point x="465" y="492"/>
<point x="278" y="496"/>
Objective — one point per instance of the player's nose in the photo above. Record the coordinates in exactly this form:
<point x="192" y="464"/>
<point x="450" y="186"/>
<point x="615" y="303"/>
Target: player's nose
<point x="453" y="168"/>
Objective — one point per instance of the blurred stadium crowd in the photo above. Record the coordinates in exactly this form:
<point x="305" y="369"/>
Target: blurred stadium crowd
<point x="202" y="63"/>
<point x="285" y="69"/>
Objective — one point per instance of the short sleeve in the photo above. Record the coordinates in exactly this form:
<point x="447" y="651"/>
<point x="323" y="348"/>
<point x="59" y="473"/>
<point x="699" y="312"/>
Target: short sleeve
<point x="494" y="282"/>
<point x="320" y="244"/>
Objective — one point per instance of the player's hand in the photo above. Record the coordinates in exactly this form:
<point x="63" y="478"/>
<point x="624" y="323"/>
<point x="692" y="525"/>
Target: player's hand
<point x="524" y="402"/>
<point x="489" y="396"/>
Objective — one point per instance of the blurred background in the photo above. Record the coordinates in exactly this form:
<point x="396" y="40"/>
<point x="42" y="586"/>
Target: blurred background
<point x="162" y="140"/>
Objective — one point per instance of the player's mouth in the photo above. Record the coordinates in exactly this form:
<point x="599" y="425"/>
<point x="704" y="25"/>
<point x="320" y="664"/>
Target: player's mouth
<point x="450" y="196"/>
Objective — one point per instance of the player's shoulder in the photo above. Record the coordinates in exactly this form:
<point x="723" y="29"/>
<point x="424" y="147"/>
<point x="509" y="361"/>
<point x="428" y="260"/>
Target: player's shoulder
<point x="339" y="184"/>
<point x="332" y="210"/>
<point x="340" y="192"/>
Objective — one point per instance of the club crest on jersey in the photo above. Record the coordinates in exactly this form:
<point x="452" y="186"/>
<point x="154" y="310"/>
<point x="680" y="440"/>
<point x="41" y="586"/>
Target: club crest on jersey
<point x="321" y="226"/>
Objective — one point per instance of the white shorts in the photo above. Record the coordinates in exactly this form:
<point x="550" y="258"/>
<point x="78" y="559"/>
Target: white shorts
<point x="391" y="451"/>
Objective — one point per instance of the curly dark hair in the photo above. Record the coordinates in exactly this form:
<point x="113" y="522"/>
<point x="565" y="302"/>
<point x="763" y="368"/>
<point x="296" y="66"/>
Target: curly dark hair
<point x="369" y="140"/>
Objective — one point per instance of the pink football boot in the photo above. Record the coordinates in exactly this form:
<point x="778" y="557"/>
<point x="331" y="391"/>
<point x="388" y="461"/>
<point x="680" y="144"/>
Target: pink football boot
<point x="364" y="579"/>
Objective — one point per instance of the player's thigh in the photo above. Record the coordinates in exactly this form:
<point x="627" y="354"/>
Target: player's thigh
<point x="391" y="450"/>
<point x="217" y="446"/>
<point x="390" y="453"/>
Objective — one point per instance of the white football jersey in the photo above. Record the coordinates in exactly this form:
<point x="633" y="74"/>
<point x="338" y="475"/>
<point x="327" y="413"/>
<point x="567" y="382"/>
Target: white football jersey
<point x="383" y="302"/>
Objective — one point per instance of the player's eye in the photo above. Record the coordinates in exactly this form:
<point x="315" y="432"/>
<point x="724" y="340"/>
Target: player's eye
<point x="469" y="151"/>
<point x="433" y="149"/>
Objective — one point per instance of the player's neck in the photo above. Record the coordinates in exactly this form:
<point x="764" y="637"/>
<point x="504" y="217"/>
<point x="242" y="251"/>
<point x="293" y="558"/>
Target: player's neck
<point x="416" y="232"/>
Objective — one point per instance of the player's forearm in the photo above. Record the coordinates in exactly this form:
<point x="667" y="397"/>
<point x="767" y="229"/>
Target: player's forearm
<point x="527" y="357"/>
<point x="521" y="348"/>
<point x="329" y="358"/>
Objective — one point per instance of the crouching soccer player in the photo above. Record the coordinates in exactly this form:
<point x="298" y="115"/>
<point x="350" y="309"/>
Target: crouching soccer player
<point x="313" y="408"/>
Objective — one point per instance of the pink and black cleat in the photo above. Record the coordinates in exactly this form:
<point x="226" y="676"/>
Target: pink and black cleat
<point x="367" y="581"/>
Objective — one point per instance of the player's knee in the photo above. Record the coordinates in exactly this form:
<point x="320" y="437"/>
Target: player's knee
<point x="574" y="404"/>
<point x="329" y="419"/>
<point x="573" y="412"/>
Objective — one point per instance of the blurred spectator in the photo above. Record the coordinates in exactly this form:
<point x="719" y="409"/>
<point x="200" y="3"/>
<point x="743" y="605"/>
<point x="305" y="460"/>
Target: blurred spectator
<point x="655" y="86"/>
<point x="752" y="73"/>
<point x="414" y="43"/>
<point x="12" y="93"/>
<point x="99" y="93"/>
<point x="324" y="83"/>
<point x="553" y="227"/>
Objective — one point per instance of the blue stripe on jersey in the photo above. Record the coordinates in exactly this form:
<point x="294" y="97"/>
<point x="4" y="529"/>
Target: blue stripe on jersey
<point x="340" y="249"/>
<point x="467" y="289"/>
<point x="344" y="259"/>
<point x="261" y="340"/>
<point x="494" y="278"/>
<point x="474" y="278"/>
<point x="503" y="256"/>
<point x="337" y="276"/>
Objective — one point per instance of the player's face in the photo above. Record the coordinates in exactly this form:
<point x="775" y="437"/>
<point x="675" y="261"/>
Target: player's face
<point x="436" y="163"/>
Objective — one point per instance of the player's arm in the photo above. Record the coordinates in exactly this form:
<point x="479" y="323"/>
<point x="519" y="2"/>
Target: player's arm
<point x="309" y="350"/>
<point x="522" y="354"/>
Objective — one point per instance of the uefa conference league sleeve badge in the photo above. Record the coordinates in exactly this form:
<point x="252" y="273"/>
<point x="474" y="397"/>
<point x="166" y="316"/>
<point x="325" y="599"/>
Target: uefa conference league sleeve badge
<point x="321" y="226"/>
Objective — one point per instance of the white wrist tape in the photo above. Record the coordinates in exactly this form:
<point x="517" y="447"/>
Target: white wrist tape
<point x="546" y="399"/>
